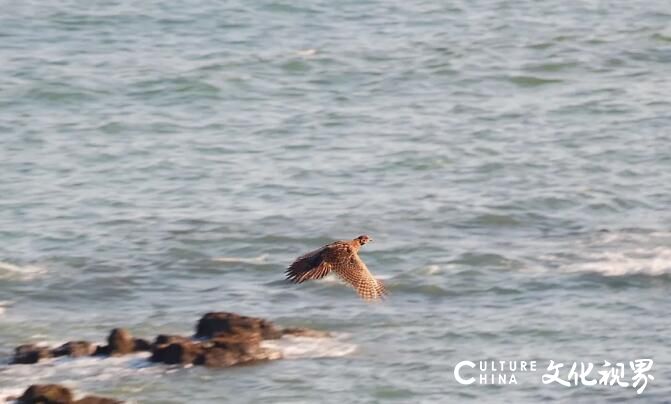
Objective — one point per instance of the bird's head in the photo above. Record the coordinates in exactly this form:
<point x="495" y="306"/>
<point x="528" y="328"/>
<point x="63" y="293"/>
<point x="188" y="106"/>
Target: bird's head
<point x="363" y="239"/>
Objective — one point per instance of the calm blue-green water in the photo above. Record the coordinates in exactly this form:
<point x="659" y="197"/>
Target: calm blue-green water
<point x="511" y="160"/>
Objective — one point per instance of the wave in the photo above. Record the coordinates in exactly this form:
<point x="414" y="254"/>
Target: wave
<point x="655" y="262"/>
<point x="3" y="306"/>
<point x="7" y="393"/>
<point x="79" y="374"/>
<point x="306" y="52"/>
<point x="623" y="253"/>
<point x="22" y="272"/>
<point x="294" y="347"/>
<point x="432" y="270"/>
<point x="76" y="373"/>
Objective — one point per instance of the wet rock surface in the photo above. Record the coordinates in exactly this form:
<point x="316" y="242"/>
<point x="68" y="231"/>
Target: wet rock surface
<point x="30" y="353"/>
<point x="224" y="323"/>
<point x="222" y="339"/>
<point x="46" y="394"/>
<point x="57" y="394"/>
<point x="75" y="349"/>
<point x="120" y="342"/>
<point x="179" y="352"/>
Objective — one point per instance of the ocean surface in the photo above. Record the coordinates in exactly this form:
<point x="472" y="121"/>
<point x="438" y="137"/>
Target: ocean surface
<point x="511" y="160"/>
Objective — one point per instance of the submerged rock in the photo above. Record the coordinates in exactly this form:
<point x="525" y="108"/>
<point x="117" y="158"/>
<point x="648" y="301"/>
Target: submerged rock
<point x="101" y="350"/>
<point x="46" y="394"/>
<point x="30" y="353"/>
<point x="231" y="354"/>
<point x="183" y="352"/>
<point x="75" y="349"/>
<point x="169" y="339"/>
<point x="223" y="323"/>
<point x="235" y="349"/>
<point x="216" y="352"/>
<point x="141" y="345"/>
<point x="121" y="342"/>
<point x="57" y="394"/>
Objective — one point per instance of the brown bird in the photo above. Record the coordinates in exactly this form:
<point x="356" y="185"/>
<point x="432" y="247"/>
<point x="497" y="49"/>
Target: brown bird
<point x="342" y="258"/>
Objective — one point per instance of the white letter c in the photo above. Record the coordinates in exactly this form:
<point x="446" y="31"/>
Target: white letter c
<point x="458" y="377"/>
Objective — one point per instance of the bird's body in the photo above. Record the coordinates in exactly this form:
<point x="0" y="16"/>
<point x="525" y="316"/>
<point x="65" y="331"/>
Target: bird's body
<point x="341" y="257"/>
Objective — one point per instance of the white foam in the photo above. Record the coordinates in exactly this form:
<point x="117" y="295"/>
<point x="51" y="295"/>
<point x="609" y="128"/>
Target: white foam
<point x="23" y="272"/>
<point x="621" y="253"/>
<point x="261" y="259"/>
<point x="654" y="261"/>
<point x="75" y="372"/>
<point x="294" y="347"/>
<point x="6" y="393"/>
<point x="306" y="52"/>
<point x="3" y="306"/>
<point x="432" y="270"/>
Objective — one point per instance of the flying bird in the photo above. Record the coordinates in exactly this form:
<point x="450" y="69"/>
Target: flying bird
<point x="341" y="257"/>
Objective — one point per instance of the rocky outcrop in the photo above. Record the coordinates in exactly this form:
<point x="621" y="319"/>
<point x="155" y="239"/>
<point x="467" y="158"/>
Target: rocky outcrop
<point x="46" y="394"/>
<point x="75" y="349"/>
<point x="223" y="323"/>
<point x="233" y="350"/>
<point x="30" y="353"/>
<point x="177" y="351"/>
<point x="234" y="342"/>
<point x="141" y="345"/>
<point x="121" y="342"/>
<point x="57" y="394"/>
<point x="222" y="339"/>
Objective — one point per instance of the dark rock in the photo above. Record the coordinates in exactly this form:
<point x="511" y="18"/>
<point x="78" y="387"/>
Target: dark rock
<point x="218" y="358"/>
<point x="102" y="350"/>
<point x="222" y="357"/>
<point x="221" y="351"/>
<point x="30" y="353"/>
<point x="169" y="339"/>
<point x="223" y="323"/>
<point x="120" y="342"/>
<point x="141" y="345"/>
<point x="305" y="332"/>
<point x="75" y="349"/>
<point x="227" y="339"/>
<point x="237" y="344"/>
<point x="96" y="400"/>
<point x="183" y="352"/>
<point x="175" y="349"/>
<point x="234" y="350"/>
<point x="46" y="394"/>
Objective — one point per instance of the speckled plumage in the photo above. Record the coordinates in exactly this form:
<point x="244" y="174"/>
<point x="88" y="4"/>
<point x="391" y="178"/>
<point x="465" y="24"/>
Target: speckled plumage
<point x="341" y="257"/>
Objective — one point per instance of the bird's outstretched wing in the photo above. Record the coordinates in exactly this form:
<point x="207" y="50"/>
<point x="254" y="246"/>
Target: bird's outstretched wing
<point x="356" y="273"/>
<point x="318" y="263"/>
